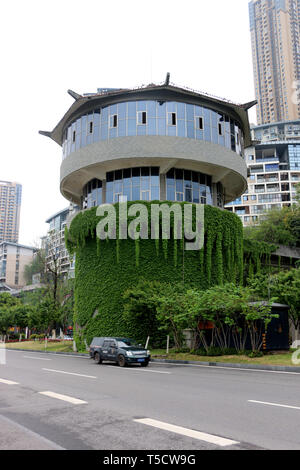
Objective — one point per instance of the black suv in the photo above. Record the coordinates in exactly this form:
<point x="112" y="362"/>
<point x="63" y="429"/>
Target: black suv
<point x="123" y="351"/>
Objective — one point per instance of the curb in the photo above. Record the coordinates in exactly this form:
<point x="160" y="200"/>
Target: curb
<point x="232" y="365"/>
<point x="229" y="365"/>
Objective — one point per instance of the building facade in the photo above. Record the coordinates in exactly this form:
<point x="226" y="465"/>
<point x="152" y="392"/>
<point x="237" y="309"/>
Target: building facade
<point x="57" y="256"/>
<point x="275" y="32"/>
<point x="13" y="259"/>
<point x="152" y="143"/>
<point x="278" y="131"/>
<point x="10" y="206"/>
<point x="273" y="171"/>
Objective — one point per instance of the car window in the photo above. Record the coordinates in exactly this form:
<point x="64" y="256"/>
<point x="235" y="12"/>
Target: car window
<point x="106" y="344"/>
<point x="126" y="344"/>
<point x="96" y="342"/>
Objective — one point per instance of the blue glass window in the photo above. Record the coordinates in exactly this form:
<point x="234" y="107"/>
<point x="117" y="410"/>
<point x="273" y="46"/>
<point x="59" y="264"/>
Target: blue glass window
<point x="185" y="185"/>
<point x="151" y="105"/>
<point x="149" y="117"/>
<point x="152" y="126"/>
<point x="131" y="127"/>
<point x="132" y="109"/>
<point x="122" y="111"/>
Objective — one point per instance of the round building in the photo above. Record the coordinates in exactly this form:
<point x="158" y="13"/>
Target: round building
<point x="154" y="143"/>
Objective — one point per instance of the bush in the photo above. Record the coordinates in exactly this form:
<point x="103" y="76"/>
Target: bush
<point x="255" y="354"/>
<point x="214" y="351"/>
<point x="182" y="350"/>
<point x="230" y="352"/>
<point x="198" y="352"/>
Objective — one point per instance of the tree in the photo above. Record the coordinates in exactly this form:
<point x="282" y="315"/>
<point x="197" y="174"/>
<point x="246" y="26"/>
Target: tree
<point x="7" y="305"/>
<point x="140" y="304"/>
<point x="233" y="314"/>
<point x="6" y="320"/>
<point x="258" y="316"/>
<point x="281" y="226"/>
<point x="284" y="287"/>
<point x="37" y="266"/>
<point x="7" y="300"/>
<point x="171" y="311"/>
<point x="221" y="306"/>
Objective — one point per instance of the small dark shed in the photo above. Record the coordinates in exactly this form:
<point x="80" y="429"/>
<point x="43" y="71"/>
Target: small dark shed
<point x="277" y="336"/>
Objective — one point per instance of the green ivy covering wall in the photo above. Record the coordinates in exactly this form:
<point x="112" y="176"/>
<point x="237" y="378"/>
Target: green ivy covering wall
<point x="106" y="268"/>
<point x="257" y="257"/>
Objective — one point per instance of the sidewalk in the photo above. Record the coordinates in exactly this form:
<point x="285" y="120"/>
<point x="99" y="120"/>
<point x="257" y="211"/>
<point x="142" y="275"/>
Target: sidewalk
<point x="13" y="436"/>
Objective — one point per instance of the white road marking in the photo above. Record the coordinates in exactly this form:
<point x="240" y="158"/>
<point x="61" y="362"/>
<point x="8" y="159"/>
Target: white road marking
<point x="231" y="368"/>
<point x="140" y="370"/>
<point x="40" y="358"/>
<point x="274" y="404"/>
<point x="75" y="401"/>
<point x="220" y="441"/>
<point x="8" y="382"/>
<point x="70" y="373"/>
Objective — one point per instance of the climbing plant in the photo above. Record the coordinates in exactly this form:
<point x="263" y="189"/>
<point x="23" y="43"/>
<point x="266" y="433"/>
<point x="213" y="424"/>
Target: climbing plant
<point x="105" y="269"/>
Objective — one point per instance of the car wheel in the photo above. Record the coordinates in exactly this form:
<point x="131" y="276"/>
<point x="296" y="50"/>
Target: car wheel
<point x="98" y="358"/>
<point x="144" y="364"/>
<point x="121" y="361"/>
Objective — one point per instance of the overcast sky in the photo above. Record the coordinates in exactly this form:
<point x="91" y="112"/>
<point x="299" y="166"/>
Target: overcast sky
<point x="50" y="47"/>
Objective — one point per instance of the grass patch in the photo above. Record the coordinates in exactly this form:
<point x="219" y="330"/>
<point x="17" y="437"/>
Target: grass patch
<point x="270" y="359"/>
<point x="62" y="346"/>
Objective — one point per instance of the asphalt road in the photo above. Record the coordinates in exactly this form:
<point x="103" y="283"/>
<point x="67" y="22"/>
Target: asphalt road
<point x="50" y="401"/>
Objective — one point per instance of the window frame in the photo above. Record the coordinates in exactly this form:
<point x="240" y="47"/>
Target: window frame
<point x="112" y="119"/>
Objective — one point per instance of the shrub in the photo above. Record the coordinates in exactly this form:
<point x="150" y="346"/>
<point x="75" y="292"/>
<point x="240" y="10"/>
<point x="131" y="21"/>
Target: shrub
<point x="255" y="354"/>
<point x="182" y="350"/>
<point x="199" y="352"/>
<point x="214" y="351"/>
<point x="230" y="352"/>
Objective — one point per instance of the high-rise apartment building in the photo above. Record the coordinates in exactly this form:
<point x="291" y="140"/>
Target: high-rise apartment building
<point x="57" y="256"/>
<point x="10" y="206"/>
<point x="13" y="259"/>
<point x="273" y="171"/>
<point x="275" y="32"/>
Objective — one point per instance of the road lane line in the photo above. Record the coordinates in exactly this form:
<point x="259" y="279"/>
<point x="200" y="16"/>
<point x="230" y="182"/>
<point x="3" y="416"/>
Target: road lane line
<point x="8" y="382"/>
<point x="70" y="373"/>
<point x="274" y="404"/>
<point x="40" y="358"/>
<point x="219" y="441"/>
<point x="139" y="370"/>
<point x="74" y="401"/>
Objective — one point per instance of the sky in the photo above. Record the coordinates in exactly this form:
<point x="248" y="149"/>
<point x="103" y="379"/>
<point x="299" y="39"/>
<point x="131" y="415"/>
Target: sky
<point x="50" y="47"/>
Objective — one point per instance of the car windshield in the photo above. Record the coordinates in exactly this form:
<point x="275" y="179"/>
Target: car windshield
<point x="126" y="343"/>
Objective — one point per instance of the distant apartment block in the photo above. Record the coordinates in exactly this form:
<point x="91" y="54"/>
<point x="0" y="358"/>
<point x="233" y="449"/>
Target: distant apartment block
<point x="275" y="31"/>
<point x="13" y="259"/>
<point x="10" y="206"/>
<point x="278" y="131"/>
<point x="273" y="171"/>
<point x="57" y="256"/>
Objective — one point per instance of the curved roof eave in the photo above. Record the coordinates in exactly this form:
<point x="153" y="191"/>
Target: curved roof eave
<point x="241" y="111"/>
